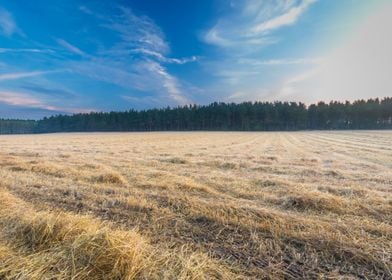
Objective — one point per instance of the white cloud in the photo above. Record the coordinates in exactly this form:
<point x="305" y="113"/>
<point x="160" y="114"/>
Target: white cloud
<point x="137" y="32"/>
<point x="136" y="59"/>
<point x="133" y="77"/>
<point x="238" y="95"/>
<point x="288" y="18"/>
<point x="242" y="34"/>
<point x="253" y="21"/>
<point x="8" y="50"/>
<point x="20" y="99"/>
<point x="213" y="37"/>
<point x="151" y="54"/>
<point x="70" y="47"/>
<point x="20" y="75"/>
<point x="25" y="100"/>
<point x="169" y="82"/>
<point x="85" y="10"/>
<point x="8" y="25"/>
<point x="360" y="68"/>
<point x="303" y="61"/>
<point x="144" y="75"/>
<point x="180" y="60"/>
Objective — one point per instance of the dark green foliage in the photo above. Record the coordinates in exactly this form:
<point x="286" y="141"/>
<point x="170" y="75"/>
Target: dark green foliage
<point x="17" y="126"/>
<point x="247" y="116"/>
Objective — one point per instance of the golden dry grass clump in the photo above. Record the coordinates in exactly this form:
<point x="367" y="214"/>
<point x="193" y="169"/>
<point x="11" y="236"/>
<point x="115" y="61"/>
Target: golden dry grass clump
<point x="110" y="178"/>
<point x="196" y="206"/>
<point x="43" y="245"/>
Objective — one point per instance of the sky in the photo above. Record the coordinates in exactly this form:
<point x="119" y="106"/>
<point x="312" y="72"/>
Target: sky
<point x="65" y="57"/>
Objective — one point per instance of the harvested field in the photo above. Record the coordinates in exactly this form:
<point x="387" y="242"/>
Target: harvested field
<point x="197" y="205"/>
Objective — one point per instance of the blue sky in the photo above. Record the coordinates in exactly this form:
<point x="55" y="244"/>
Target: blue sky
<point x="80" y="56"/>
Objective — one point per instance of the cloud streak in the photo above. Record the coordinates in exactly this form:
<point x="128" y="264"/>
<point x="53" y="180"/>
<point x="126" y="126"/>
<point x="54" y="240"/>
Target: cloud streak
<point x="137" y="32"/>
<point x="131" y="56"/>
<point x="170" y="83"/>
<point x="48" y="91"/>
<point x="21" y="75"/>
<point x="247" y="30"/>
<point x="70" y="47"/>
<point x="288" y="18"/>
<point x="137" y="59"/>
<point x="359" y="68"/>
<point x="8" y="25"/>
<point x="25" y="100"/>
<point x="163" y="58"/>
<point x="255" y="22"/>
<point x="8" y="50"/>
<point x="272" y="62"/>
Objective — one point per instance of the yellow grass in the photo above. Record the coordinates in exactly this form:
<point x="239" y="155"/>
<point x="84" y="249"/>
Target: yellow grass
<point x="196" y="206"/>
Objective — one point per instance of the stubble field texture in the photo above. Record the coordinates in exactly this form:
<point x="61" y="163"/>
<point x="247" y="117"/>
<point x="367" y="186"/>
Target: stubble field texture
<point x="197" y="205"/>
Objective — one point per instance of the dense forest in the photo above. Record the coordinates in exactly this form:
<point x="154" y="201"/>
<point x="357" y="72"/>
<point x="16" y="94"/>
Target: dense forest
<point x="247" y="116"/>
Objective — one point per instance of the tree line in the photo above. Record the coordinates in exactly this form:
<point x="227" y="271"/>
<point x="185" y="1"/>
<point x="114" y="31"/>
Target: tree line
<point x="246" y="116"/>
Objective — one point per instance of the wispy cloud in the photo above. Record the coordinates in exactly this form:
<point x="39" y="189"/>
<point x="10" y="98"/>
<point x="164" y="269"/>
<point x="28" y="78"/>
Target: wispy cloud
<point x="253" y="24"/>
<point x="136" y="60"/>
<point x="243" y="34"/>
<point x="85" y="10"/>
<point x="9" y="50"/>
<point x="213" y="37"/>
<point x="287" y="18"/>
<point x="163" y="58"/>
<point x="170" y="83"/>
<point x="107" y="71"/>
<point x="359" y="68"/>
<point x="8" y="25"/>
<point x="70" y="47"/>
<point x="216" y="36"/>
<point x="137" y="32"/>
<point x="48" y="91"/>
<point x="302" y="61"/>
<point x="25" y="100"/>
<point x="143" y="52"/>
<point x="250" y="72"/>
<point x="20" y="75"/>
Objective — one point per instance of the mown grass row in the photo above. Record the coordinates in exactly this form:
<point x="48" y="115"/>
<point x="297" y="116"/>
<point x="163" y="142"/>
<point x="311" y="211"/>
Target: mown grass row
<point x="44" y="245"/>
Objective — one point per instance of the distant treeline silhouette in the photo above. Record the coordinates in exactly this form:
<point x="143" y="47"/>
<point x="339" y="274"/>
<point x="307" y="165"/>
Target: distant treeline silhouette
<point x="247" y="116"/>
